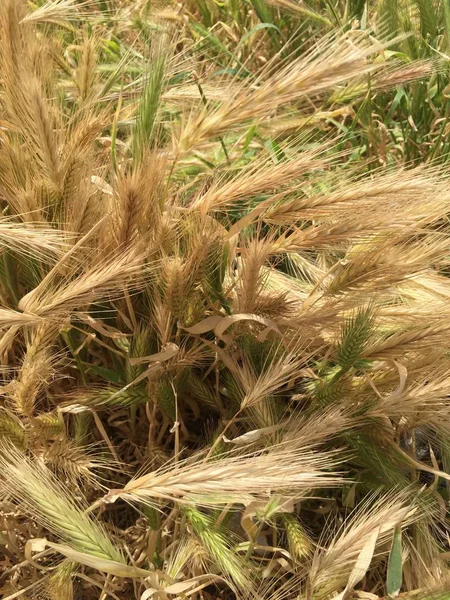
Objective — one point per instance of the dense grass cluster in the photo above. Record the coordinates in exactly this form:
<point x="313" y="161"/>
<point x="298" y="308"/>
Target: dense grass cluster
<point x="224" y="299"/>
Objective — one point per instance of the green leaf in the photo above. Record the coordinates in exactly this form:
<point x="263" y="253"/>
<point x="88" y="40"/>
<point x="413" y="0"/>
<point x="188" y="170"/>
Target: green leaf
<point x="265" y="16"/>
<point x="262" y="10"/>
<point x="395" y="569"/>
<point x="275" y="150"/>
<point x="254" y="30"/>
<point x="108" y="374"/>
<point x="210" y="37"/>
<point x="396" y="101"/>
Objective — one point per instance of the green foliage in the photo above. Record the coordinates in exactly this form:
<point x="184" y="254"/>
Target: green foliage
<point x="394" y="572"/>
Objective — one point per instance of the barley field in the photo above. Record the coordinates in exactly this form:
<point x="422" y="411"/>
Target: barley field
<point x="224" y="299"/>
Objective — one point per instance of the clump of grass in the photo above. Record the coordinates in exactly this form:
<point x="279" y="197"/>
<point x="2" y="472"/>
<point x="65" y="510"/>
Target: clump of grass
<point x="223" y="299"/>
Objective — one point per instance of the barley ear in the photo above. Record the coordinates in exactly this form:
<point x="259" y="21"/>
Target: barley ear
<point x="300" y="545"/>
<point x="31" y="484"/>
<point x="215" y="543"/>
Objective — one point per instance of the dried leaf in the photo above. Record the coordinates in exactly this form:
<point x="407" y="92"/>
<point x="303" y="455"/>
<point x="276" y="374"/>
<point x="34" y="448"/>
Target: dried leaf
<point x="169" y="351"/>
